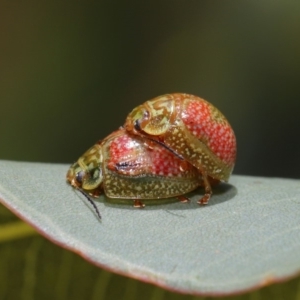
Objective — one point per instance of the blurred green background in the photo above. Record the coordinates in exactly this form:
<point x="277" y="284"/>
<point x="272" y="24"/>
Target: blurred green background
<point x="72" y="70"/>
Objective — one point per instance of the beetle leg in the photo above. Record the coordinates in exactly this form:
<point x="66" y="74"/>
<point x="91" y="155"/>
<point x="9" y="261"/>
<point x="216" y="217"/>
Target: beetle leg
<point x="208" y="190"/>
<point x="96" y="192"/>
<point x="183" y="199"/>
<point x="149" y="143"/>
<point x="184" y="165"/>
<point x="138" y="203"/>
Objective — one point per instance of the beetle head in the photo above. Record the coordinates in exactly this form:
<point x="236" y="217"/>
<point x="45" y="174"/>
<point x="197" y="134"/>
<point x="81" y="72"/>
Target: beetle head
<point x="86" y="173"/>
<point x="152" y="118"/>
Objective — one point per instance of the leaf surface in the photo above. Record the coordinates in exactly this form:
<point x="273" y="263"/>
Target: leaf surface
<point x="246" y="237"/>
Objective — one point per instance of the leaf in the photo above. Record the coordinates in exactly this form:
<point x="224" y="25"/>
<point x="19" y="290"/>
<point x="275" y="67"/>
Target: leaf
<point x="246" y="237"/>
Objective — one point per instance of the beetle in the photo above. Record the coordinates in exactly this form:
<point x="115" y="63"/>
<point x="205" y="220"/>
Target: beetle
<point x="192" y="128"/>
<point x="126" y="166"/>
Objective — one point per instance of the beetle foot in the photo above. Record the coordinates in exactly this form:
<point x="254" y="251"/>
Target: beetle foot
<point x="138" y="204"/>
<point x="204" y="200"/>
<point x="183" y="199"/>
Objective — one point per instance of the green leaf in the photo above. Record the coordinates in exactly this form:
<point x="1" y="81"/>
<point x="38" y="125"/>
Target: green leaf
<point x="246" y="237"/>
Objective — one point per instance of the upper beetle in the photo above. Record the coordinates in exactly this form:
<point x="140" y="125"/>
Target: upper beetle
<point x="192" y="128"/>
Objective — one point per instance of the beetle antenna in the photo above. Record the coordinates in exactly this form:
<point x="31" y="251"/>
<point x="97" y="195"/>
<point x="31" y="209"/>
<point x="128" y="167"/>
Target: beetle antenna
<point x="91" y="201"/>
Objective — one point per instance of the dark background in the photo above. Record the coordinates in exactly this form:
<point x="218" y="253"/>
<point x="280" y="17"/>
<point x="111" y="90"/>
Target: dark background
<point x="70" y="71"/>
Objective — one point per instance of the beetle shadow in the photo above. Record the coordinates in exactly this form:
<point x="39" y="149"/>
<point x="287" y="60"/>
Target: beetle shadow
<point x="221" y="193"/>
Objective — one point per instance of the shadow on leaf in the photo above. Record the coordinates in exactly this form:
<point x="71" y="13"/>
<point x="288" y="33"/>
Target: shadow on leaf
<point x="221" y="193"/>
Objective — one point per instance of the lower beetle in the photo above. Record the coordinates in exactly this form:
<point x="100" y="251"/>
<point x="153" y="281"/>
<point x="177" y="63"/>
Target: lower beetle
<point x="130" y="167"/>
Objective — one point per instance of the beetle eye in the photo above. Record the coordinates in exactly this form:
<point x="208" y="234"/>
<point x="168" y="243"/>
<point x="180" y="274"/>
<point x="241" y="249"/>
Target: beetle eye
<point x="137" y="126"/>
<point x="137" y="122"/>
<point x="79" y="176"/>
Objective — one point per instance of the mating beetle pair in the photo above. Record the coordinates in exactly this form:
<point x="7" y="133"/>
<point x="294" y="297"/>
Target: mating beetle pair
<point x="169" y="146"/>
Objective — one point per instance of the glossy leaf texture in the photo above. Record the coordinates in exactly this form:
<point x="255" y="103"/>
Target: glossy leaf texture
<point x="247" y="236"/>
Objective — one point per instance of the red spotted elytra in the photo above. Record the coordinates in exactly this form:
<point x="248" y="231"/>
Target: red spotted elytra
<point x="193" y="129"/>
<point x="127" y="166"/>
